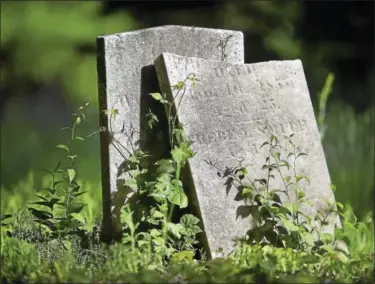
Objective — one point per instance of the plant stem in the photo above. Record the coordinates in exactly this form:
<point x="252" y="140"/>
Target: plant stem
<point x="178" y="174"/>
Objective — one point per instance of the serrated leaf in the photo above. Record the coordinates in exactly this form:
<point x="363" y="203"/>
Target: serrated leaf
<point x="132" y="183"/>
<point x="177" y="195"/>
<point x="155" y="233"/>
<point x="190" y="225"/>
<point x="157" y="214"/>
<point x="165" y="166"/>
<point x="188" y="220"/>
<point x="158" y="241"/>
<point x="181" y="154"/>
<point x="175" y="229"/>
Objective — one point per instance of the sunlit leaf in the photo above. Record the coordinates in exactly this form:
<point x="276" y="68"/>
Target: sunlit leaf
<point x="71" y="174"/>
<point x="62" y="146"/>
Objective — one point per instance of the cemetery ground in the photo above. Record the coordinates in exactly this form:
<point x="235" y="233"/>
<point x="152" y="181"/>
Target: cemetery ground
<point x="74" y="254"/>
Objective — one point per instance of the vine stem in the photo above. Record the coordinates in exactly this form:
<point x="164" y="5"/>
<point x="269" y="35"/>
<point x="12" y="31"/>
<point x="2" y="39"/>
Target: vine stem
<point x="72" y="164"/>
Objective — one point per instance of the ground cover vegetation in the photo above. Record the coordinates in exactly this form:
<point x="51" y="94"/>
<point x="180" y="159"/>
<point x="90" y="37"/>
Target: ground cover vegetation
<point x="55" y="236"/>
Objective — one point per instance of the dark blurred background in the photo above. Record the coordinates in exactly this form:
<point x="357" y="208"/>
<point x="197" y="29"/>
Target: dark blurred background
<point x="48" y="68"/>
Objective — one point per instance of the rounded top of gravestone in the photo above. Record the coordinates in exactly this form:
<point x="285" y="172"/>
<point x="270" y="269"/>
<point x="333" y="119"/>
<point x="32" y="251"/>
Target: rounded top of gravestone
<point x="169" y="28"/>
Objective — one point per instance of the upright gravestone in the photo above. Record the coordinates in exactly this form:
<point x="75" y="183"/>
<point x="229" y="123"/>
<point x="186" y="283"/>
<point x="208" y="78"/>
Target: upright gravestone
<point x="126" y="76"/>
<point x="224" y="115"/>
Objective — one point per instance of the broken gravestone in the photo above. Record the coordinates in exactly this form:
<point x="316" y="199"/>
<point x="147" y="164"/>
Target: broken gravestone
<point x="126" y="76"/>
<point x="224" y="116"/>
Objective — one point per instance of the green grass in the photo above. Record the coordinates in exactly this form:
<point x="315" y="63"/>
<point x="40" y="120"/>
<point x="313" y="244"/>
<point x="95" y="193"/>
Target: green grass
<point x="349" y="148"/>
<point x="23" y="192"/>
<point x="68" y="262"/>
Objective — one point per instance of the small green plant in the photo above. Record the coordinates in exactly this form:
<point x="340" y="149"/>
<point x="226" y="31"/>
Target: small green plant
<point x="147" y="224"/>
<point x="57" y="208"/>
<point x="283" y="234"/>
<point x="279" y="215"/>
<point x="59" y="201"/>
<point x="52" y="225"/>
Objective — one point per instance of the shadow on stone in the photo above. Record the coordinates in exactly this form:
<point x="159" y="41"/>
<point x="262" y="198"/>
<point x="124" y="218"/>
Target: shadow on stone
<point x="154" y="141"/>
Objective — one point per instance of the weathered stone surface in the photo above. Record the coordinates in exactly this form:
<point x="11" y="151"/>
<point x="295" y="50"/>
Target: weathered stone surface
<point x="224" y="116"/>
<point x="126" y="77"/>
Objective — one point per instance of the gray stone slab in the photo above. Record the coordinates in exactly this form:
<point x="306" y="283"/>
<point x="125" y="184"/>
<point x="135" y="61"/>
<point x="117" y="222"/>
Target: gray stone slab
<point x="224" y="116"/>
<point x="126" y="77"/>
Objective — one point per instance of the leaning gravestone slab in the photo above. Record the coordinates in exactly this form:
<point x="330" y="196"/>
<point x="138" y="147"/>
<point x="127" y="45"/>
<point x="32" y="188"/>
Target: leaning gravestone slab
<point x="224" y="115"/>
<point x="126" y="77"/>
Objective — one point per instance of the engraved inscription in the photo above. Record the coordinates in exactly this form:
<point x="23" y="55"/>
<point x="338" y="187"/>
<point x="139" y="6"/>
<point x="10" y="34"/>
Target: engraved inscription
<point x="246" y="131"/>
<point x="219" y="72"/>
<point x="233" y="109"/>
<point x="261" y="82"/>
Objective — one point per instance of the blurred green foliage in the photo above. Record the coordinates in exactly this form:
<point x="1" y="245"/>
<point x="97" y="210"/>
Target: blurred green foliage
<point x="48" y="41"/>
<point x="44" y="38"/>
<point x="349" y="148"/>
